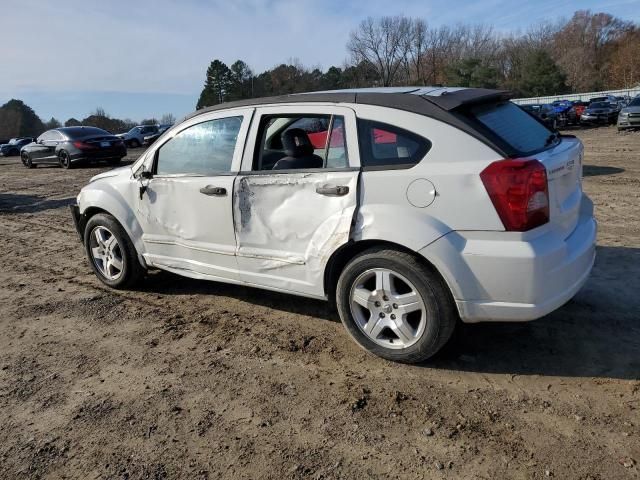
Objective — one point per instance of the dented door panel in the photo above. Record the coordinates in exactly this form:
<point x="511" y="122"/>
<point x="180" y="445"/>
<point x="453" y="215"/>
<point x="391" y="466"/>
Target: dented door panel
<point x="287" y="231"/>
<point x="187" y="230"/>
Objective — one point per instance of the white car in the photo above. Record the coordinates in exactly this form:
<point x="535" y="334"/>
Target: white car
<point x="410" y="208"/>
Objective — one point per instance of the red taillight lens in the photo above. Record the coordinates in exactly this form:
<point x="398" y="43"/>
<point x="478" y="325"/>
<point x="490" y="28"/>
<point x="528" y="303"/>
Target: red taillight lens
<point x="519" y="192"/>
<point x="83" y="146"/>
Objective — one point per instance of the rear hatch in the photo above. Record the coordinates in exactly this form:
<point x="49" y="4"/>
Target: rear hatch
<point x="524" y="136"/>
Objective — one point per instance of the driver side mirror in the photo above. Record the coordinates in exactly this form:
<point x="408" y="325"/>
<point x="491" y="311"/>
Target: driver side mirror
<point x="146" y="175"/>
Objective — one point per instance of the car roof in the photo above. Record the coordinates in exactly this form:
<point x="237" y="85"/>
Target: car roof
<point x="434" y="102"/>
<point x="425" y="100"/>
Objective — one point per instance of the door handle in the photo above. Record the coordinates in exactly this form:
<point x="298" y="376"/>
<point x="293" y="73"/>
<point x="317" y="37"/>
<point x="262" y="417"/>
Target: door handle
<point x="333" y="190"/>
<point x="214" y="191"/>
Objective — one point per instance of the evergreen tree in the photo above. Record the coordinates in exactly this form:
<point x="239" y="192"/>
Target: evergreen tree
<point x="472" y="72"/>
<point x="18" y="120"/>
<point x="216" y="86"/>
<point x="541" y="76"/>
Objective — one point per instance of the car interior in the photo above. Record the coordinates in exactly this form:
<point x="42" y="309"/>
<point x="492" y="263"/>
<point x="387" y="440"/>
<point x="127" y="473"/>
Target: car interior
<point x="301" y="142"/>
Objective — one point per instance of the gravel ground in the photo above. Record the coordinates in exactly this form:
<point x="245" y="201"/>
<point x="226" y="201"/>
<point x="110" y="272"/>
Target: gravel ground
<point x="191" y="379"/>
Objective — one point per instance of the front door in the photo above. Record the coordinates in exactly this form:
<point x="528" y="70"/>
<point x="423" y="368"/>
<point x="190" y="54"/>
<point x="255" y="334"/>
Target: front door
<point x="295" y="201"/>
<point x="186" y="212"/>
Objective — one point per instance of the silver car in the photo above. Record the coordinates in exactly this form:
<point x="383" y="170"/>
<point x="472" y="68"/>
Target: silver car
<point x="629" y="116"/>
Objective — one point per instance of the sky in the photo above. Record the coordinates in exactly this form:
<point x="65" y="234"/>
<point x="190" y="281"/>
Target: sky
<point x="140" y="59"/>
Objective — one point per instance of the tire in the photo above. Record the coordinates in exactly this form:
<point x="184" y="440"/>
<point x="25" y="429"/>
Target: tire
<point x="114" y="161"/>
<point x="14" y="153"/>
<point x="65" y="160"/>
<point x="135" y="143"/>
<point x="26" y="160"/>
<point x="419" y="335"/>
<point x="115" y="263"/>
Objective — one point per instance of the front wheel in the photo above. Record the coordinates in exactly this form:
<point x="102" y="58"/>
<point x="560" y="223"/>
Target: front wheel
<point x="394" y="306"/>
<point x="135" y="143"/>
<point x="111" y="253"/>
<point x="26" y="160"/>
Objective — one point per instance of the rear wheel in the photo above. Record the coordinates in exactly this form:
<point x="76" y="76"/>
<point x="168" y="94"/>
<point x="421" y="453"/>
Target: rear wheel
<point x="64" y="159"/>
<point x="26" y="160"/>
<point x="134" y="143"/>
<point x="111" y="253"/>
<point x="394" y="306"/>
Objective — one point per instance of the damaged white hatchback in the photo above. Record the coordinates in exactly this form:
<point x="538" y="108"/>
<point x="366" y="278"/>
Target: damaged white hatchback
<point x="410" y="208"/>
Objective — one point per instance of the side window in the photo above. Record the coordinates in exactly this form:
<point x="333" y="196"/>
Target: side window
<point x="301" y="142"/>
<point x="202" y="149"/>
<point x="383" y="145"/>
<point x="46" y="136"/>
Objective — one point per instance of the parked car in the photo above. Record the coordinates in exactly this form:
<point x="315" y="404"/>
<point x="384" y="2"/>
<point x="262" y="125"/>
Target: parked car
<point x="135" y="137"/>
<point x="579" y="106"/>
<point x="599" y="113"/>
<point x="546" y="113"/>
<point x="149" y="139"/>
<point x="629" y="116"/>
<point x="565" y="112"/>
<point x="13" y="146"/>
<point x="611" y="99"/>
<point x="67" y="146"/>
<point x="420" y="207"/>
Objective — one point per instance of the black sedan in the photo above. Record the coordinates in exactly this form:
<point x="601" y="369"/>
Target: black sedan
<point x="70" y="145"/>
<point x="13" y="146"/>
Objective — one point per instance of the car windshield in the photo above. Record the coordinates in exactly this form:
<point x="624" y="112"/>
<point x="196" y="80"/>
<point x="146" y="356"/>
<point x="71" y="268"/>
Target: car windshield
<point x="635" y="102"/>
<point x="599" y="105"/>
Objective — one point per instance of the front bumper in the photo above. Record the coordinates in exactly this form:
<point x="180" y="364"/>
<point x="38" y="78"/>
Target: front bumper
<point x="599" y="118"/>
<point x="77" y="220"/>
<point x="629" y="122"/>
<point x="504" y="278"/>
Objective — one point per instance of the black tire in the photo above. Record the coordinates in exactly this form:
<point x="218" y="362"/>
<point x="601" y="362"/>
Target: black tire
<point x="26" y="160"/>
<point x="14" y="153"/>
<point x="134" y="143"/>
<point x="114" y="161"/>
<point x="132" y="272"/>
<point x="440" y="311"/>
<point x="64" y="160"/>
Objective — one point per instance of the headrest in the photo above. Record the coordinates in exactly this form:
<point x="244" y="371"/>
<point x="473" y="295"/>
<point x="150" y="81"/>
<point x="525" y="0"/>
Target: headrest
<point x="296" y="143"/>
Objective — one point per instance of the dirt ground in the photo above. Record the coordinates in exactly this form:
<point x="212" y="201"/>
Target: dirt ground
<point x="191" y="379"/>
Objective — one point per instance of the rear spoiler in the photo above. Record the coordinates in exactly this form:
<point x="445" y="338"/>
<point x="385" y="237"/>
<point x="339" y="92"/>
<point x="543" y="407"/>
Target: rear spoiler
<point x="461" y="98"/>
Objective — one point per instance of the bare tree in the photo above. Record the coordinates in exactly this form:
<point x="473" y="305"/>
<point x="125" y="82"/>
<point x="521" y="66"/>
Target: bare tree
<point x="383" y="43"/>
<point x="168" y="119"/>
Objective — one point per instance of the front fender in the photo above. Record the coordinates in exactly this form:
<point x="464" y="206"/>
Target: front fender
<point x="102" y="196"/>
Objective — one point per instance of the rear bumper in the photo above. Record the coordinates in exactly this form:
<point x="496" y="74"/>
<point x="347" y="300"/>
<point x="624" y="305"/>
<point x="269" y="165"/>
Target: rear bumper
<point x="109" y="154"/>
<point x="505" y="278"/>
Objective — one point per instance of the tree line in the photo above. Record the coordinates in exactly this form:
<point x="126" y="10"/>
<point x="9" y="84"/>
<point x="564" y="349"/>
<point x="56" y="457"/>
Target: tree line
<point x="19" y="120"/>
<point x="588" y="52"/>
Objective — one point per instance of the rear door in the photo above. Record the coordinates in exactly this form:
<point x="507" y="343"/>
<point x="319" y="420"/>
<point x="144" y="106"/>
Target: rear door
<point x="289" y="222"/>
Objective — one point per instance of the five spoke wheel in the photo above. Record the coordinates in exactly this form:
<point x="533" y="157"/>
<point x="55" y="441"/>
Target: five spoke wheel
<point x="106" y="253"/>
<point x="388" y="308"/>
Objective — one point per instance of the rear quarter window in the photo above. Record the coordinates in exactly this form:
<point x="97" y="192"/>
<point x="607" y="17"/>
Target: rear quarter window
<point x="513" y="126"/>
<point x="384" y="146"/>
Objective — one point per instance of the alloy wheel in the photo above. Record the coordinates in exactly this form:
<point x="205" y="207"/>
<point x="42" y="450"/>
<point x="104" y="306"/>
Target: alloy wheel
<point x="106" y="253"/>
<point x="388" y="308"/>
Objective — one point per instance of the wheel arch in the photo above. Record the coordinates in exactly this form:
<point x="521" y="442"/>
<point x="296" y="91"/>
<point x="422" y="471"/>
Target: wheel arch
<point x="93" y="202"/>
<point x="339" y="259"/>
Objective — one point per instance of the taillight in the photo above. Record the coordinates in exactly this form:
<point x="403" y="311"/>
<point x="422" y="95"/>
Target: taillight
<point x="519" y="192"/>
<point x="83" y="145"/>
